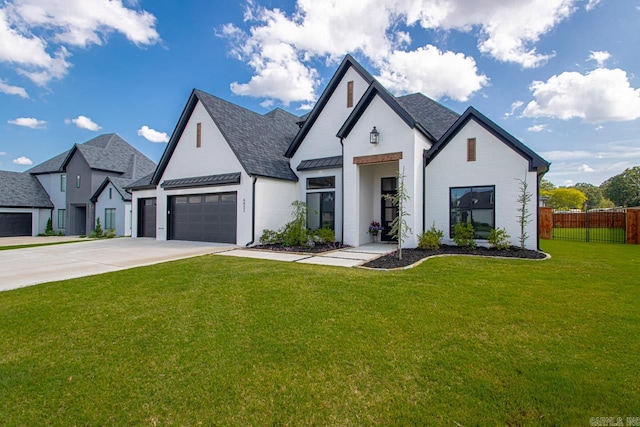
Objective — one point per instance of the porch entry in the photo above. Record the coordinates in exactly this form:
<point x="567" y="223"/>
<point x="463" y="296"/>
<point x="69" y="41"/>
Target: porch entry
<point x="389" y="211"/>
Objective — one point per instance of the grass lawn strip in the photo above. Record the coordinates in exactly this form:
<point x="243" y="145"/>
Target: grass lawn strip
<point x="232" y="341"/>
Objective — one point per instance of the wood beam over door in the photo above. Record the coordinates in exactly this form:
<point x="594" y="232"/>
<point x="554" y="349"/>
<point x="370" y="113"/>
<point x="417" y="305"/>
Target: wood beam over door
<point x="377" y="158"/>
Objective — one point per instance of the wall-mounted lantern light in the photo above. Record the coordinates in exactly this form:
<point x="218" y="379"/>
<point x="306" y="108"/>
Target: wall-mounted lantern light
<point x="374" y="136"/>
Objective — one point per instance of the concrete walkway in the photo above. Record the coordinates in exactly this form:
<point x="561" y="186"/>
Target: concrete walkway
<point x="30" y="266"/>
<point x="349" y="257"/>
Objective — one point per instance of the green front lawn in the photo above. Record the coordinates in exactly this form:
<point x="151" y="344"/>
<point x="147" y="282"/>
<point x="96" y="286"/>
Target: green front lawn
<point x="227" y="341"/>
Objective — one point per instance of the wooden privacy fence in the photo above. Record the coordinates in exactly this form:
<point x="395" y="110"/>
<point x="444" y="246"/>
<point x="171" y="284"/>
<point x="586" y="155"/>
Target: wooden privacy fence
<point x="613" y="225"/>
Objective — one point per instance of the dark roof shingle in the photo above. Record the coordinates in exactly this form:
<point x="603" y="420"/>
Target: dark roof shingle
<point x="22" y="190"/>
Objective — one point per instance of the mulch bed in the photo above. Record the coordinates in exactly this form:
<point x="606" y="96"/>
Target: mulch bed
<point x="317" y="249"/>
<point x="410" y="256"/>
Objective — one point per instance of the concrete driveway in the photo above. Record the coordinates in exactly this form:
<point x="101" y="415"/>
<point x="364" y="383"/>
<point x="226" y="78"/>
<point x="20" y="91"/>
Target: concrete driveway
<point x="30" y="266"/>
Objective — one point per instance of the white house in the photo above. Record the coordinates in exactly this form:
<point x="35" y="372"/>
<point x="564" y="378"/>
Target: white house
<point x="229" y="173"/>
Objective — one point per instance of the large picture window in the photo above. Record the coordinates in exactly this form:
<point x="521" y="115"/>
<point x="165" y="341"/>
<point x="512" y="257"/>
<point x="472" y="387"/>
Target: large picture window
<point x="475" y="205"/>
<point x="321" y="209"/>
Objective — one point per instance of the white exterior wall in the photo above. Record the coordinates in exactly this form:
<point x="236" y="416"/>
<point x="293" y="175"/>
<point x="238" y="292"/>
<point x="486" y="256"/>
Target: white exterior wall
<point x="496" y="164"/>
<point x="123" y="210"/>
<point x="135" y="196"/>
<point x="395" y="136"/>
<point x="39" y="218"/>
<point x="51" y="184"/>
<point x="273" y="204"/>
<point x="301" y="194"/>
<point x="212" y="158"/>
<point x="321" y="140"/>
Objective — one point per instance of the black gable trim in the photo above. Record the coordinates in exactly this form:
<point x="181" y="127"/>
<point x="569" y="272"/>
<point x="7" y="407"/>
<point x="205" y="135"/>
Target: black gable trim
<point x="347" y="62"/>
<point x="536" y="163"/>
<point x="202" y="181"/>
<point x="374" y="89"/>
<point x="175" y="137"/>
<point x="323" y="163"/>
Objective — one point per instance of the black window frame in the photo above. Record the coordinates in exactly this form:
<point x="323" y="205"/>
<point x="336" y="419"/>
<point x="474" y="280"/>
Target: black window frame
<point x="107" y="212"/>
<point x="330" y="182"/>
<point x="470" y="209"/>
<point x="322" y="194"/>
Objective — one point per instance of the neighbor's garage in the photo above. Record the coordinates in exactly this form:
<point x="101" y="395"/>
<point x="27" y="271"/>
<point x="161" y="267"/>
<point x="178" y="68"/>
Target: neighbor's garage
<point x="203" y="217"/>
<point x="15" y="224"/>
<point x="147" y="217"/>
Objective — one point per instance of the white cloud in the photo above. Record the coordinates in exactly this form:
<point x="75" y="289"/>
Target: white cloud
<point x="29" y="122"/>
<point x="36" y="33"/>
<point x="23" y="161"/>
<point x="586" y="168"/>
<point x="432" y="72"/>
<point x="599" y="56"/>
<point x="83" y="122"/>
<point x="557" y="155"/>
<point x="3" y="153"/>
<point x="515" y="106"/>
<point x="152" y="134"/>
<point x="599" y="96"/>
<point x="537" y="128"/>
<point x="592" y="4"/>
<point x="13" y="90"/>
<point x="282" y="48"/>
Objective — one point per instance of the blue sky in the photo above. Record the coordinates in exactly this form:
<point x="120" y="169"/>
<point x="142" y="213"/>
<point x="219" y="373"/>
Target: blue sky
<point x="563" y="76"/>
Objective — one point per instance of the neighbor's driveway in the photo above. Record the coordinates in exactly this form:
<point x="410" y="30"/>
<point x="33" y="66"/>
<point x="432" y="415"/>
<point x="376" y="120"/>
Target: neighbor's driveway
<point x="30" y="266"/>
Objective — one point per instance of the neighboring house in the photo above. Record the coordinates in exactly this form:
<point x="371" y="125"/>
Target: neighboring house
<point x="229" y="173"/>
<point x="25" y="207"/>
<point x="71" y="181"/>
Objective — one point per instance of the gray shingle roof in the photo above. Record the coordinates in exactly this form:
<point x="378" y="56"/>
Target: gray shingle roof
<point x="433" y="116"/>
<point x="52" y="165"/>
<point x="203" y="181"/>
<point x="111" y="153"/>
<point x="259" y="141"/>
<point x="143" y="183"/>
<point x="22" y="190"/>
<point x="106" y="152"/>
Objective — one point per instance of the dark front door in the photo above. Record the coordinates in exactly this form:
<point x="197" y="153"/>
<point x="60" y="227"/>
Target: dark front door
<point x="79" y="220"/>
<point x="147" y="217"/>
<point x="15" y="224"/>
<point x="389" y="187"/>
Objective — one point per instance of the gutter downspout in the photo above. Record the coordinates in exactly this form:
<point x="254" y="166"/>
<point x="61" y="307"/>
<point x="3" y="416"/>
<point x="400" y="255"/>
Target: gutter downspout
<point x="424" y="190"/>
<point x="342" y="194"/>
<point x="253" y="211"/>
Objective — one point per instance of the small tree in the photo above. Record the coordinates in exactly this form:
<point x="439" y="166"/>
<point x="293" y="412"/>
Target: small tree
<point x="524" y="216"/>
<point x="400" y="230"/>
<point x="49" y="230"/>
<point x="98" y="230"/>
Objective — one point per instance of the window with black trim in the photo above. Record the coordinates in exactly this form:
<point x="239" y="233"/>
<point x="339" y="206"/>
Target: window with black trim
<point x="474" y="205"/>
<point x="321" y="210"/>
<point x="111" y="193"/>
<point x="109" y="219"/>
<point x="321" y="182"/>
<point x="62" y="219"/>
<point x="78" y="181"/>
<point x="63" y="183"/>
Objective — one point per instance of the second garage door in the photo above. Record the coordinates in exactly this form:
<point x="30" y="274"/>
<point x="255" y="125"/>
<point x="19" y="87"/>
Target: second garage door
<point x="204" y="217"/>
<point x="15" y="224"/>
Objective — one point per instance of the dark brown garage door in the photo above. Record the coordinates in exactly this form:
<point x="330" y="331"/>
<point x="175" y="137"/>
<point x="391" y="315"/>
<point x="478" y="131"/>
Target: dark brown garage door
<point x="15" y="224"/>
<point x="147" y="217"/>
<point x="204" y="217"/>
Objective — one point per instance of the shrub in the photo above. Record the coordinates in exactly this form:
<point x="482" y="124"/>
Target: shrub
<point x="49" y="229"/>
<point x="110" y="234"/>
<point x="463" y="235"/>
<point x="499" y="239"/>
<point x="323" y="236"/>
<point x="270" y="237"/>
<point x="98" y="230"/>
<point x="431" y="239"/>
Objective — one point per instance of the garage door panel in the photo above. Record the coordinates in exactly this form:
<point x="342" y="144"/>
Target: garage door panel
<point x="15" y="224"/>
<point x="204" y="217"/>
